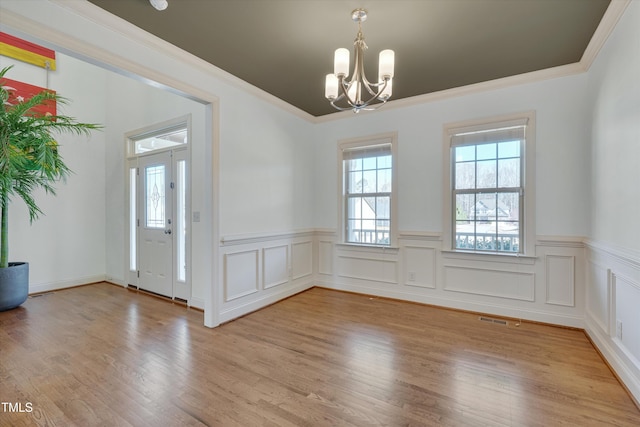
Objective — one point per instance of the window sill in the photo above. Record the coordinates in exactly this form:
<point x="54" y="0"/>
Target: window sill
<point x="368" y="248"/>
<point x="490" y="256"/>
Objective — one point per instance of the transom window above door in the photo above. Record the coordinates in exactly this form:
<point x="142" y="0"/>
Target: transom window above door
<point x="168" y="139"/>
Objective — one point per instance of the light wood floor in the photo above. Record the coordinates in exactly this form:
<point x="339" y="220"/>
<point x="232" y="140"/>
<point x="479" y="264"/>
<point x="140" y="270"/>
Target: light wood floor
<point x="103" y="356"/>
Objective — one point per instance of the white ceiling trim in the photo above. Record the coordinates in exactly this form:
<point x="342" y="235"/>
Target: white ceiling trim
<point x="607" y="24"/>
<point x="505" y="82"/>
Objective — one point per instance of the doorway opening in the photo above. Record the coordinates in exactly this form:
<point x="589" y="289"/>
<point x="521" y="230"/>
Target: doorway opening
<point x="159" y="209"/>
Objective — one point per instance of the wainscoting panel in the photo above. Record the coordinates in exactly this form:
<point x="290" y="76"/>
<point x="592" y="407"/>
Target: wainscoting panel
<point x="374" y="270"/>
<point x="598" y="294"/>
<point x="419" y="266"/>
<point x="325" y="257"/>
<point x="275" y="266"/>
<point x="240" y="274"/>
<point x="490" y="282"/>
<point x="560" y="280"/>
<point x="302" y="259"/>
<point x="612" y="317"/>
<point x="261" y="269"/>
<point x="626" y="313"/>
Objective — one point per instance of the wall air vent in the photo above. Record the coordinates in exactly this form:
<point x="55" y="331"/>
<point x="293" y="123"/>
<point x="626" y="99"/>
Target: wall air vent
<point x="491" y="320"/>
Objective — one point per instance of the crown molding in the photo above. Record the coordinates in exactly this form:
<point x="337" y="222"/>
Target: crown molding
<point x="609" y="21"/>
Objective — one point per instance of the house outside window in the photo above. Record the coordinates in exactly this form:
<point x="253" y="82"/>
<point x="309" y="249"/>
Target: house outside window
<point x="490" y="177"/>
<point x="367" y="169"/>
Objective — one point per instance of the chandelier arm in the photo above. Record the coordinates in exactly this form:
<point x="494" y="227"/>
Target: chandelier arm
<point x="340" y="108"/>
<point x="355" y="109"/>
<point x="344" y="87"/>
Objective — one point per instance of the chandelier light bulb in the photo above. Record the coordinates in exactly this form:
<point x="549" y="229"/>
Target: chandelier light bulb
<point x="341" y="63"/>
<point x="386" y="60"/>
<point x="331" y="87"/>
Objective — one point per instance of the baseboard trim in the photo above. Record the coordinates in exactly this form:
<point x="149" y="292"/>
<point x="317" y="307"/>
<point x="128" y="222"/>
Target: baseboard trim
<point x="227" y="315"/>
<point x="629" y="380"/>
<point x="474" y="307"/>
<point x="64" y="284"/>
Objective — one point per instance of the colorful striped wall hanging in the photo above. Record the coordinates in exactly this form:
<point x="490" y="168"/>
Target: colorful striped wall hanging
<point x="19" y="91"/>
<point x="23" y="50"/>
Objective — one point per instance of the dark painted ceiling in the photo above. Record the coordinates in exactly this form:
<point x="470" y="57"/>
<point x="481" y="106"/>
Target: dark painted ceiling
<point x="285" y="47"/>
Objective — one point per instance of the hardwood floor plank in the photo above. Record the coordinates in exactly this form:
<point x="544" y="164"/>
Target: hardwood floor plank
<point x="102" y="355"/>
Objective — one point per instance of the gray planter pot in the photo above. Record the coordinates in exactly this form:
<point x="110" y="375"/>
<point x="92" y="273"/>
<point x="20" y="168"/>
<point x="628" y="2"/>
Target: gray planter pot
<point x="14" y="285"/>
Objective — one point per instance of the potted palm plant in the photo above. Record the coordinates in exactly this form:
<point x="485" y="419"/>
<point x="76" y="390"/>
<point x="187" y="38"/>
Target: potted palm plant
<point x="29" y="160"/>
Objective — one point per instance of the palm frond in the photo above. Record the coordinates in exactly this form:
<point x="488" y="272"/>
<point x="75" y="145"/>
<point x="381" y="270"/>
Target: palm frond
<point x="29" y="156"/>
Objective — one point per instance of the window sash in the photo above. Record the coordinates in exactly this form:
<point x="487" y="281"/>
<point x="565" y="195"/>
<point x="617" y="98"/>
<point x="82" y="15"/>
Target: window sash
<point x="358" y="229"/>
<point x="497" y="242"/>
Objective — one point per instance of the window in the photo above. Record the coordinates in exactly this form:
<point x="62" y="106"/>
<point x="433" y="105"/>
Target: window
<point x="489" y="200"/>
<point x="174" y="136"/>
<point x="368" y="188"/>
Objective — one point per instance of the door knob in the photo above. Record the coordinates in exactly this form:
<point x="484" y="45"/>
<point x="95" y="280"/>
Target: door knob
<point x="167" y="231"/>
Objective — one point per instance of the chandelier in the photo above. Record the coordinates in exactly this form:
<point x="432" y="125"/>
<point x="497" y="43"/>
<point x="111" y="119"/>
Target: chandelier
<point x="358" y="93"/>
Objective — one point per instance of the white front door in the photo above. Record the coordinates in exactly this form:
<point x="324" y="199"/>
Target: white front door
<point x="156" y="229"/>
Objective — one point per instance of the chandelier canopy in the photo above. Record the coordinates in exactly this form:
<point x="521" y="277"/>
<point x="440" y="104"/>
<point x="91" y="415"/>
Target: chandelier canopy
<point x="358" y="93"/>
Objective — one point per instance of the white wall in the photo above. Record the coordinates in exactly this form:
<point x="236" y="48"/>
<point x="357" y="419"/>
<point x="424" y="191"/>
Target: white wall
<point x="266" y="159"/>
<point x="66" y="246"/>
<point x="613" y="287"/>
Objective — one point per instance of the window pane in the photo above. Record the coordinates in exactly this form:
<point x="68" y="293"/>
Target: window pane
<point x="465" y="175"/>
<point x="510" y="205"/>
<point x="382" y="232"/>
<point x="383" y="208"/>
<point x="161" y="142"/>
<point x="369" y="181"/>
<point x="465" y="235"/>
<point x="509" y="173"/>
<point x="509" y="149"/>
<point x="487" y="151"/>
<point x="354" y="210"/>
<point x="133" y="219"/>
<point x="508" y="236"/>
<point x="384" y="181"/>
<point x="384" y="162"/>
<point x="354" y="165"/>
<point x="181" y="220"/>
<point x="354" y="228"/>
<point x="369" y="225"/>
<point x="369" y="163"/>
<point x="155" y="195"/>
<point x="354" y="183"/>
<point x="465" y="153"/>
<point x="487" y="174"/>
<point x="485" y="208"/>
<point x="465" y="206"/>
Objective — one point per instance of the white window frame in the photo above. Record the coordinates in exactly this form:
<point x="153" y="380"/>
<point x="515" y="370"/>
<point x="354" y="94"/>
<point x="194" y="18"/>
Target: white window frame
<point x="527" y="213"/>
<point x="362" y="143"/>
